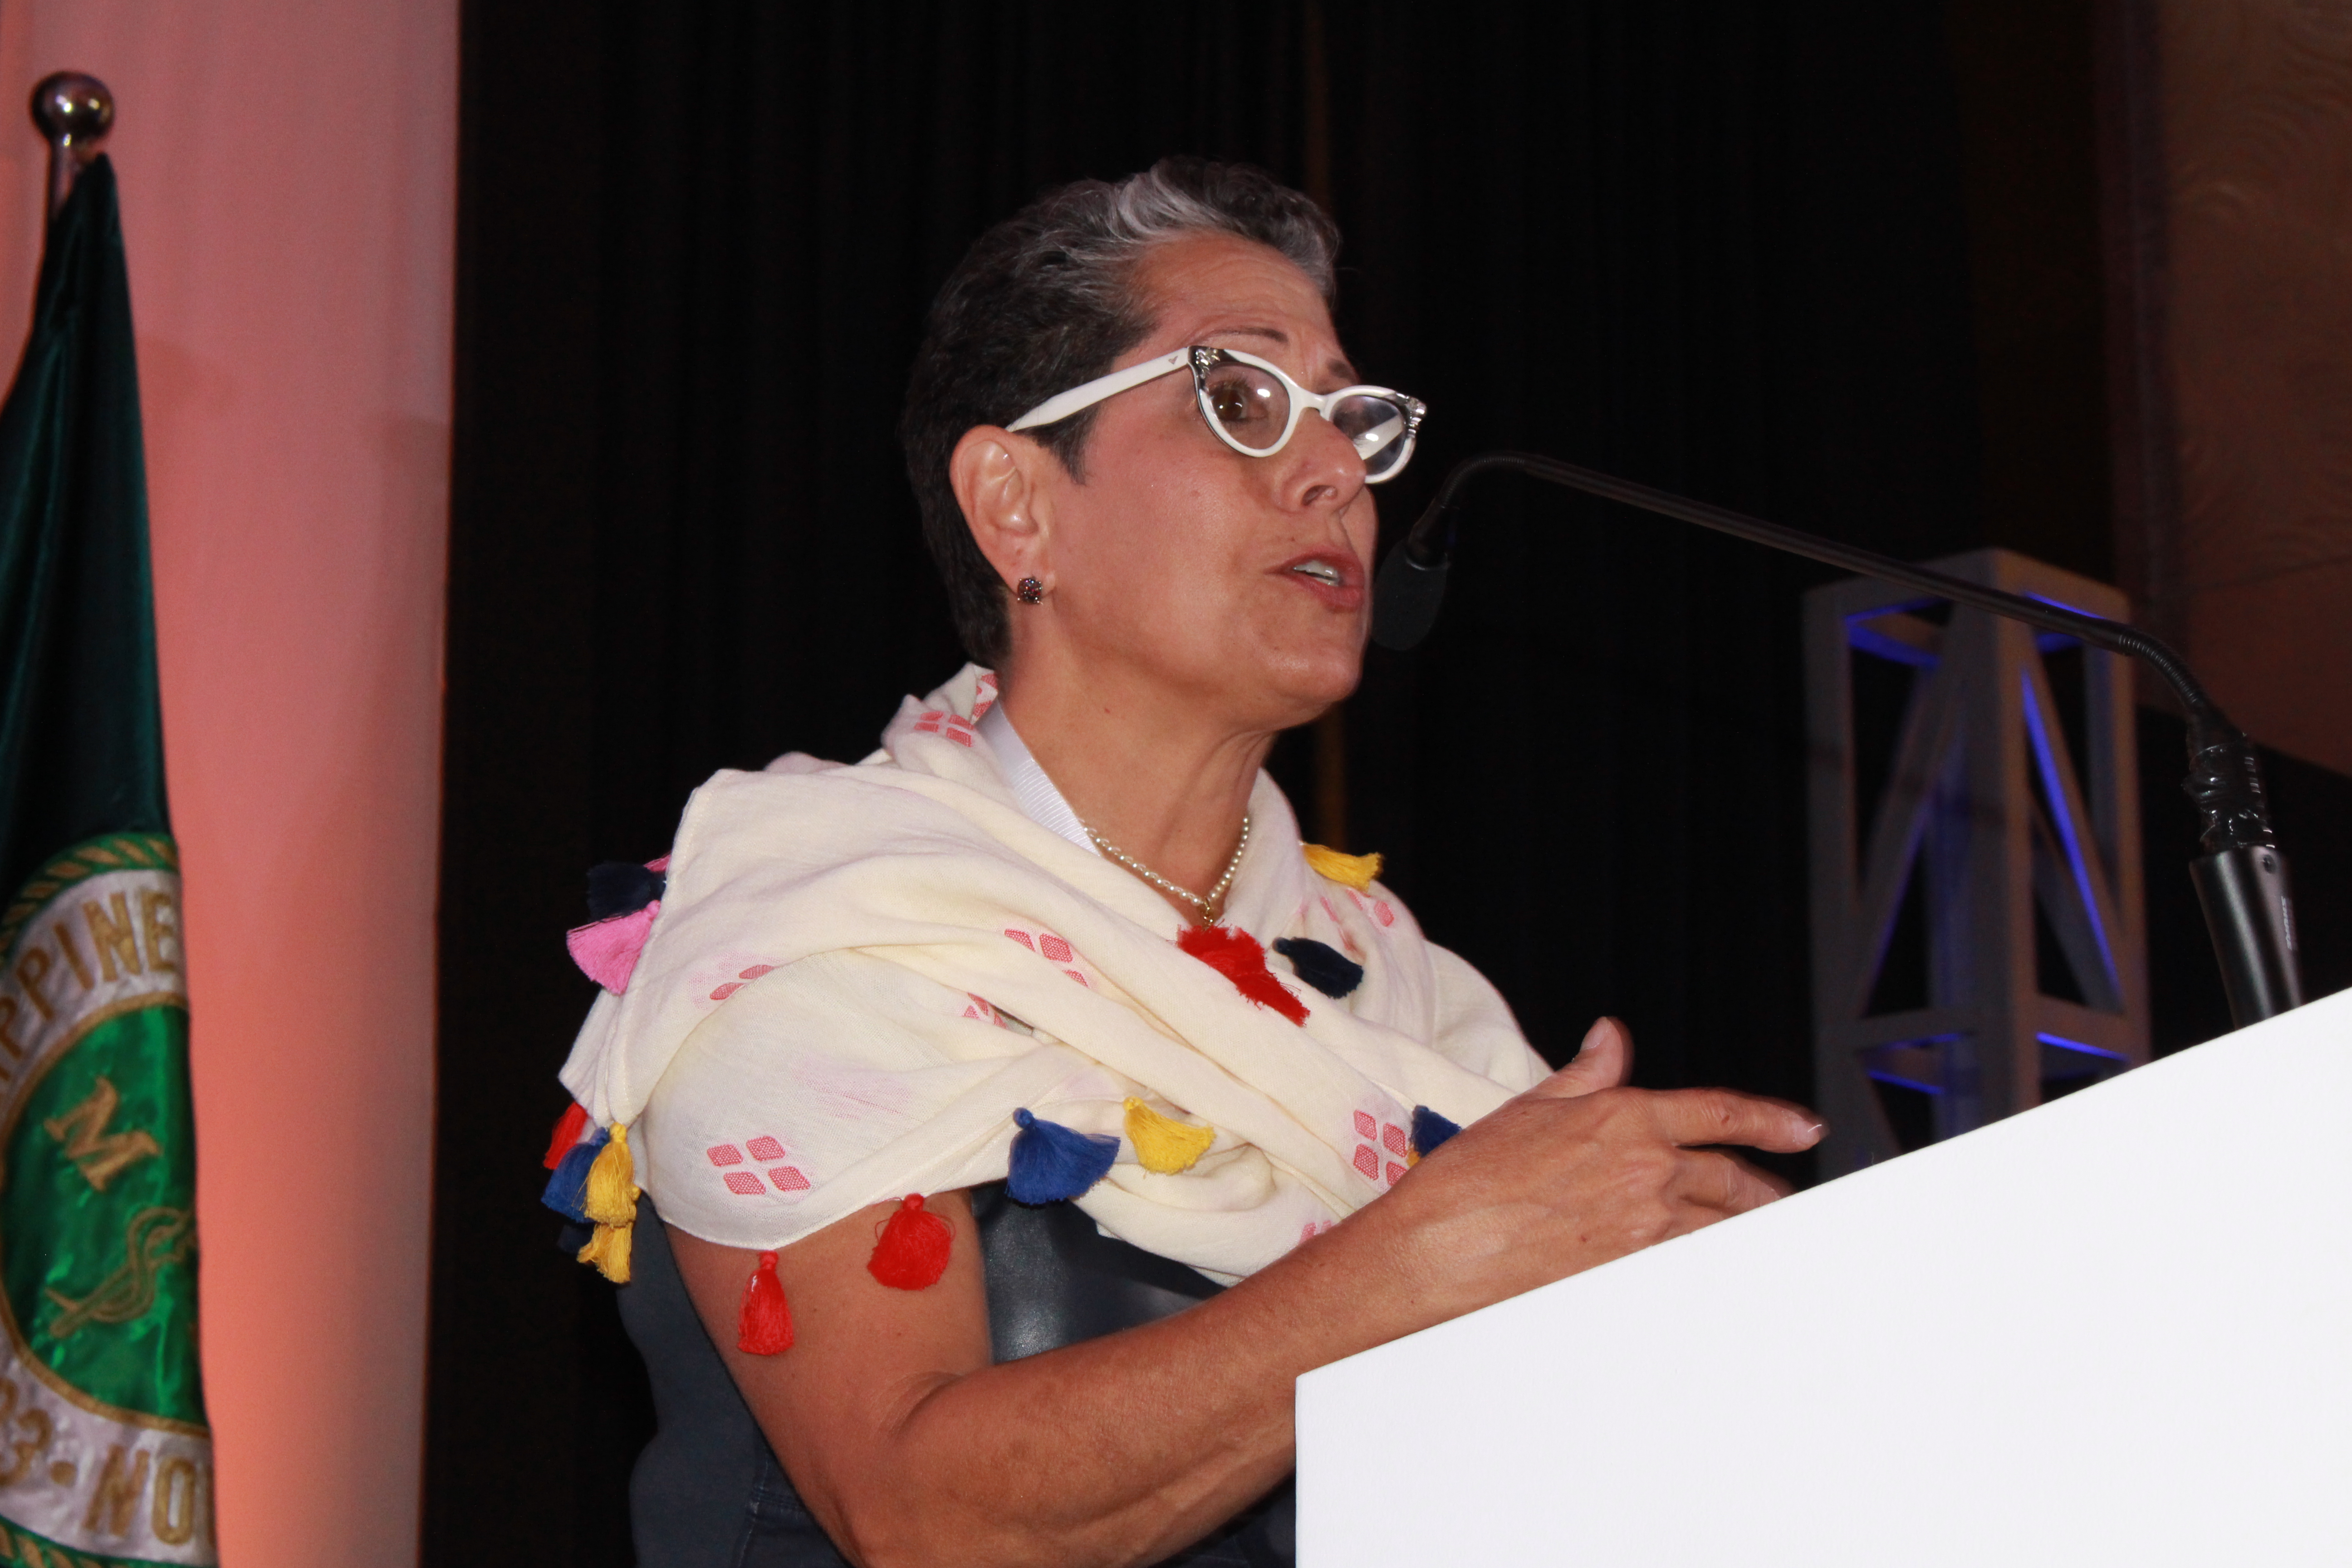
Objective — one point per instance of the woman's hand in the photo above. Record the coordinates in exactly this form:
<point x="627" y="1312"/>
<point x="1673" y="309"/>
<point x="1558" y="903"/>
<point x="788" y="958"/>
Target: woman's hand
<point x="1577" y="1171"/>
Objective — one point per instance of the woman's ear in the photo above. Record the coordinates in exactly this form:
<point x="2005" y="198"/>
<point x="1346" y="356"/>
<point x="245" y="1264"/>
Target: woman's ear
<point x="994" y="475"/>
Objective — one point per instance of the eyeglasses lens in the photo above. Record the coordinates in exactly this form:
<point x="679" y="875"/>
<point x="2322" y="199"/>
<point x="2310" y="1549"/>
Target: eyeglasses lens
<point x="1377" y="427"/>
<point x="1252" y="405"/>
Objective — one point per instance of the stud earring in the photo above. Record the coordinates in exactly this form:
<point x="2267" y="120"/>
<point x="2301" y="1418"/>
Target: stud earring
<point x="1030" y="591"/>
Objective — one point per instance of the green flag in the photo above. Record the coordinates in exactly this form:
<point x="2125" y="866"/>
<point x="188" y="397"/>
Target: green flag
<point x="104" y="1455"/>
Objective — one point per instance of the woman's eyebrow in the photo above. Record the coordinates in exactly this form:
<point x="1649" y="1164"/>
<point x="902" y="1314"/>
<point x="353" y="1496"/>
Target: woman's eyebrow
<point x="1338" y="365"/>
<point x="1271" y="334"/>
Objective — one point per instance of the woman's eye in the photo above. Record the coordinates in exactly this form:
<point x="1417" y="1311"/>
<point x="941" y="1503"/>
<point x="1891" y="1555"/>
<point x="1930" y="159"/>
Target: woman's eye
<point x="1239" y="399"/>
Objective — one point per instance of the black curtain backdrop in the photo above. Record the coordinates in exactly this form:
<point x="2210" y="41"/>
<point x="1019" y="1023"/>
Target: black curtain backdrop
<point x="1716" y="246"/>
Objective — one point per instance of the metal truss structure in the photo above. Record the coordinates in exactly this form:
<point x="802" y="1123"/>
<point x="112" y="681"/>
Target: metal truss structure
<point x="1977" y="928"/>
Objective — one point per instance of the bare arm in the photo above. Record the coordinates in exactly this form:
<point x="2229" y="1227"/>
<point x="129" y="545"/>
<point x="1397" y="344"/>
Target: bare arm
<point x="911" y="1448"/>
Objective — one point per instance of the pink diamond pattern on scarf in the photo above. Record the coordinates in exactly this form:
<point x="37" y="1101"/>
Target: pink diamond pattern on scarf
<point x="937" y="723"/>
<point x="726" y="1154"/>
<point x="756" y="971"/>
<point x="1365" y="1125"/>
<point x="1396" y="1172"/>
<point x="765" y="1147"/>
<point x="985" y="697"/>
<point x="726" y="990"/>
<point x="1054" y="949"/>
<point x="1367" y="1162"/>
<point x="745" y="1183"/>
<point x="788" y="1179"/>
<point x="1394" y="1136"/>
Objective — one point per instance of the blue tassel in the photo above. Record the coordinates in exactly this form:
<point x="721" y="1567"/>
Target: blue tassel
<point x="1321" y="965"/>
<point x="567" y="1190"/>
<point x="1430" y="1130"/>
<point x="622" y="888"/>
<point x="1051" y="1162"/>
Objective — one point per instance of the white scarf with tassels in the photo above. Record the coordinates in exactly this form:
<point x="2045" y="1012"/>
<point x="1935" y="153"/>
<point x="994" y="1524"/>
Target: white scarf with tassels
<point x="857" y="973"/>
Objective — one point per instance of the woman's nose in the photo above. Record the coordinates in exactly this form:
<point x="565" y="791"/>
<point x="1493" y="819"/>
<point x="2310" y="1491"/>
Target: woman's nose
<point x="1327" y="468"/>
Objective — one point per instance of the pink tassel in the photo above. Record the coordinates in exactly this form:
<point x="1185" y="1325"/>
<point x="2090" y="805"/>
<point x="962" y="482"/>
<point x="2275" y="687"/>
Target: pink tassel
<point x="606" y="952"/>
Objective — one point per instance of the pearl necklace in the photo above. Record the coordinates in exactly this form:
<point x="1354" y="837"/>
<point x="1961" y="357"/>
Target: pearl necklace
<point x="1208" y="907"/>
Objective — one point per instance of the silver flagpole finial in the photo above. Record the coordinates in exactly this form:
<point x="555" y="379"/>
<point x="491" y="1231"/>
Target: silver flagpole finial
<point x="74" y="112"/>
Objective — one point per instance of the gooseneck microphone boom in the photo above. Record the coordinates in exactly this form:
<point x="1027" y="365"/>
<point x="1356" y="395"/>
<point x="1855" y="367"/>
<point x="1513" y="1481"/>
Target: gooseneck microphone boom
<point x="2242" y="877"/>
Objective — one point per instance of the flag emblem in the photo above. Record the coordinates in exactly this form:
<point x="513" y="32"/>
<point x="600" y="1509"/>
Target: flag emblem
<point x="103" y="1441"/>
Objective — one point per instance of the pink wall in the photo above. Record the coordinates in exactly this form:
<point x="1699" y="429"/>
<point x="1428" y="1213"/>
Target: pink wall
<point x="287" y="176"/>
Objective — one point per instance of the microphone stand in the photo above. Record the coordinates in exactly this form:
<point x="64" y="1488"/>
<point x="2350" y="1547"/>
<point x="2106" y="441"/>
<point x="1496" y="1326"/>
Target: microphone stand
<point x="2240" y="878"/>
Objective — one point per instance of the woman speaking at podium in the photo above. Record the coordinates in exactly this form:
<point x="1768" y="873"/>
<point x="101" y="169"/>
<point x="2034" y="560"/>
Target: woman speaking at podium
<point x="1020" y="1111"/>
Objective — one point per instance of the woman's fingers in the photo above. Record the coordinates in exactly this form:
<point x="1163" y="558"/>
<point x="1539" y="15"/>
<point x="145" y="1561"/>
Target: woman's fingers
<point x="1696" y="1117"/>
<point x="1724" y="1184"/>
<point x="1605" y="1060"/>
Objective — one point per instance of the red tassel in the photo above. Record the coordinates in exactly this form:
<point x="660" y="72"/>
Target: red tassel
<point x="568" y="1128"/>
<point x="1236" y="954"/>
<point x="913" y="1251"/>
<point x="765" y="1325"/>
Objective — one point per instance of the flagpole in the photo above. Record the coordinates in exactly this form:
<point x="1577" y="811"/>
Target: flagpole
<point x="74" y="112"/>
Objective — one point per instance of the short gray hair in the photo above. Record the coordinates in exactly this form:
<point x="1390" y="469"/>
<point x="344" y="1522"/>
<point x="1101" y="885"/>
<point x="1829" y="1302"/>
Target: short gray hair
<point x="1046" y="300"/>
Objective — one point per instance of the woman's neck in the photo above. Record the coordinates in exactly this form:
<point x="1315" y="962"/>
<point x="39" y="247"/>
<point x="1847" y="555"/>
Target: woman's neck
<point x="1144" y="769"/>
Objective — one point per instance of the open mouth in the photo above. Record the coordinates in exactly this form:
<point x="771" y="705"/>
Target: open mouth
<point x="1322" y="571"/>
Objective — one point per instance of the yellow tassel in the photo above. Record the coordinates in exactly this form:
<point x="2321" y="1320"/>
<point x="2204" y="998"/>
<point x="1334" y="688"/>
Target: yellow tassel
<point x="611" y="1197"/>
<point x="1355" y="871"/>
<point x="1164" y="1145"/>
<point x="608" y="1252"/>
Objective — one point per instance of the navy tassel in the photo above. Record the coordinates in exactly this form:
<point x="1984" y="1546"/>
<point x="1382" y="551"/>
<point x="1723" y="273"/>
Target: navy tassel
<point x="1430" y="1130"/>
<point x="567" y="1190"/>
<point x="1051" y="1162"/>
<point x="1324" y="967"/>
<point x="622" y="888"/>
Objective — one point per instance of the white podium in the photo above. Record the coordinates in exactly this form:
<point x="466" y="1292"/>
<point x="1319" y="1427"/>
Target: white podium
<point x="2116" y="1329"/>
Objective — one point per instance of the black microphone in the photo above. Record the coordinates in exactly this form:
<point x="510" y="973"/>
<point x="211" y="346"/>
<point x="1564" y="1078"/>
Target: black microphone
<point x="2240" y="878"/>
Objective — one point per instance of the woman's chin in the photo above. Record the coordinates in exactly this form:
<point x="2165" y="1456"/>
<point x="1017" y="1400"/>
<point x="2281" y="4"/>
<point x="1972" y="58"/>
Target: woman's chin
<point x="1310" y="681"/>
